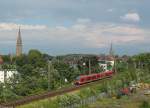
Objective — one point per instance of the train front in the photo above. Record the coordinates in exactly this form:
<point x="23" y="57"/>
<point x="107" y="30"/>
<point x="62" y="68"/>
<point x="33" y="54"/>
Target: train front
<point x="77" y="81"/>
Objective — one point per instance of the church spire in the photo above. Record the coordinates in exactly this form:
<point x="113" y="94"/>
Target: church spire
<point x="19" y="44"/>
<point x="111" y="52"/>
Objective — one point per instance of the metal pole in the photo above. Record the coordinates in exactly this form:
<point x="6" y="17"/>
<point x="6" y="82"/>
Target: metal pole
<point x="114" y="67"/>
<point x="89" y="66"/>
<point x="5" y="83"/>
<point x="49" y="72"/>
<point x="5" y="76"/>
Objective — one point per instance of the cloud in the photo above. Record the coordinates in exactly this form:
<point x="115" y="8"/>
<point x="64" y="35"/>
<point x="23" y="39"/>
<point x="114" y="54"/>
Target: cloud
<point x="77" y="36"/>
<point x="94" y="35"/>
<point x="103" y="34"/>
<point x="83" y="20"/>
<point x="110" y="10"/>
<point x="134" y="17"/>
<point x="12" y="26"/>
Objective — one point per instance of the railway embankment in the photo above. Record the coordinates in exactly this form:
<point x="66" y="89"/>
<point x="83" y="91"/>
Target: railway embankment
<point x="51" y="94"/>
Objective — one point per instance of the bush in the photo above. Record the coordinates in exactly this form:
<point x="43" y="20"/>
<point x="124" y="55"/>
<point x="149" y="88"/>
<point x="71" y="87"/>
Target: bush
<point x="67" y="100"/>
<point x="145" y="104"/>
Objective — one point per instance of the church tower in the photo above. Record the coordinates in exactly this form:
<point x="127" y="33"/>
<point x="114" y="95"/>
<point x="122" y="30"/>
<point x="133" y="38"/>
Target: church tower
<point x="19" y="44"/>
<point x="111" y="52"/>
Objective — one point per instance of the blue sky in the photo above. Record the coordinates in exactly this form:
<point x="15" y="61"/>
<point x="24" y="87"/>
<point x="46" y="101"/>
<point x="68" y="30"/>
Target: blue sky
<point x="76" y="26"/>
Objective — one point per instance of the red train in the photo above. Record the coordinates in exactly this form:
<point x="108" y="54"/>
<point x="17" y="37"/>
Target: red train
<point x="92" y="77"/>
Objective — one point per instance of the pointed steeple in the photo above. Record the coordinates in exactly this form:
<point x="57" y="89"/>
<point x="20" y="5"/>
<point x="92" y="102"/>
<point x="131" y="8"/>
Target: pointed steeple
<point x="19" y="40"/>
<point x="19" y="44"/>
<point x="111" y="52"/>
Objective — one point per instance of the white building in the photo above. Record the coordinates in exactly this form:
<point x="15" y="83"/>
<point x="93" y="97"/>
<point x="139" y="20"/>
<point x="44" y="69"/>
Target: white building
<point x="9" y="74"/>
<point x="103" y="64"/>
<point x="106" y="62"/>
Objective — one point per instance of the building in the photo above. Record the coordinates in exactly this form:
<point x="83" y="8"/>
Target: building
<point x="107" y="62"/>
<point x="5" y="74"/>
<point x="19" y="44"/>
<point x="1" y="60"/>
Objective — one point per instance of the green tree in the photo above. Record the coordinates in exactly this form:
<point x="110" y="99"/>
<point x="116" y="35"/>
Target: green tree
<point x="36" y="59"/>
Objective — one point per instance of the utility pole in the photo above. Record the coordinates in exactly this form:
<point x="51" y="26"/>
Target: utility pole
<point x="89" y="66"/>
<point x="115" y="69"/>
<point x="5" y="76"/>
<point x="49" y="74"/>
<point x="5" y="81"/>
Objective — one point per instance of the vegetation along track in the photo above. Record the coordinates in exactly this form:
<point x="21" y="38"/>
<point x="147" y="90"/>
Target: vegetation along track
<point x="29" y="99"/>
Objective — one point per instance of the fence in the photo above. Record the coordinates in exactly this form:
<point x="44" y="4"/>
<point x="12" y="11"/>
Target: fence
<point x="86" y="101"/>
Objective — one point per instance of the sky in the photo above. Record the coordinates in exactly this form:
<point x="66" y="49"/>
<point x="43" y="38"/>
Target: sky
<point x="76" y="26"/>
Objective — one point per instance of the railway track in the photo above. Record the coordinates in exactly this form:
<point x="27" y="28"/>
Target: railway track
<point x="29" y="99"/>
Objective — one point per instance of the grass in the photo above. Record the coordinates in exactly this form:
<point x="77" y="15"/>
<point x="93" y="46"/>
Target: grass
<point x="113" y="103"/>
<point x="46" y="103"/>
<point x="124" y="102"/>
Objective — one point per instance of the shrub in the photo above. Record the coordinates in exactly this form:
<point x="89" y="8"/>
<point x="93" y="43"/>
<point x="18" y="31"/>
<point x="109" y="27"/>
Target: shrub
<point x="145" y="104"/>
